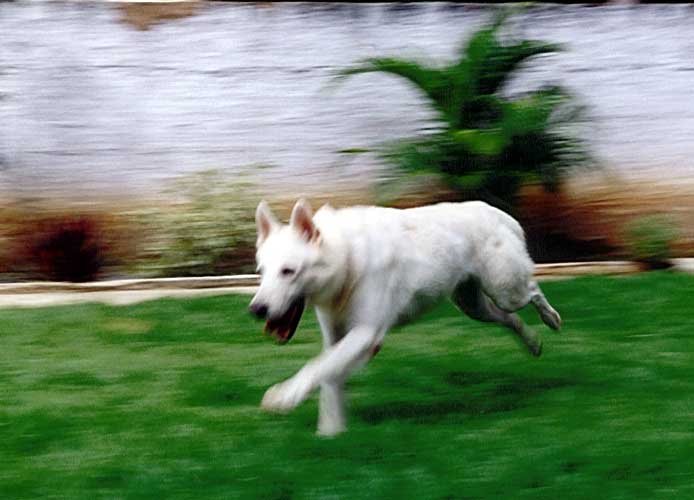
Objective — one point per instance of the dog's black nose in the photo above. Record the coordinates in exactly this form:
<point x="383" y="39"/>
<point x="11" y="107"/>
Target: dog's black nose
<point x="259" y="310"/>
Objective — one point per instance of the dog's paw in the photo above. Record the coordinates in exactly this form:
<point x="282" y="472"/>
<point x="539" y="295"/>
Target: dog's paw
<point x="532" y="340"/>
<point x="536" y="348"/>
<point x="551" y="318"/>
<point x="283" y="397"/>
<point x="330" y="429"/>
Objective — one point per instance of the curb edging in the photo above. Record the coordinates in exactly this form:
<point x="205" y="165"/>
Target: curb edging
<point x="542" y="271"/>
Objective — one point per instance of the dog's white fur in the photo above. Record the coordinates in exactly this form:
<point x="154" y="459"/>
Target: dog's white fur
<point x="366" y="269"/>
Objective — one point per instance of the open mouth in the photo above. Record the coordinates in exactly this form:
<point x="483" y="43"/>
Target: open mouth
<point x="283" y="328"/>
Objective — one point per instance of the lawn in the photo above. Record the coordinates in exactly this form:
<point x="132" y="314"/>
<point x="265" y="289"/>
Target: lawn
<point x="160" y="400"/>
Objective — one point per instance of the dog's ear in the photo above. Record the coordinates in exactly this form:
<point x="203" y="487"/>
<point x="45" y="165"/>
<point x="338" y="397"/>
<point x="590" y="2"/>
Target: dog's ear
<point x="302" y="220"/>
<point x="265" y="222"/>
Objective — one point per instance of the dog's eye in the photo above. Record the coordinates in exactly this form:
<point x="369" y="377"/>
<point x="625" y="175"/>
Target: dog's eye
<point x="287" y="271"/>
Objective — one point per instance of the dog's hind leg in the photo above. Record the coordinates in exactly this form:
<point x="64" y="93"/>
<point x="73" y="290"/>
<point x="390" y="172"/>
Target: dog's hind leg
<point x="506" y="276"/>
<point x="548" y="314"/>
<point x="470" y="298"/>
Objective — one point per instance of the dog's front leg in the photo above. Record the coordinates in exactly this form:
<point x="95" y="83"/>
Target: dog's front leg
<point x="331" y="403"/>
<point x="332" y="419"/>
<point x="331" y="367"/>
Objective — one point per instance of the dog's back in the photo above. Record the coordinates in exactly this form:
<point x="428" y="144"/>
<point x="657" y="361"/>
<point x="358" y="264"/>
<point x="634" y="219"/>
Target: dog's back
<point x="413" y="256"/>
<point x="470" y="225"/>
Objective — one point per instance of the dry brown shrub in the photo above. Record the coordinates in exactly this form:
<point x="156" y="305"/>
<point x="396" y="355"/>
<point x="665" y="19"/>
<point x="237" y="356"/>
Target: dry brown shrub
<point x="64" y="243"/>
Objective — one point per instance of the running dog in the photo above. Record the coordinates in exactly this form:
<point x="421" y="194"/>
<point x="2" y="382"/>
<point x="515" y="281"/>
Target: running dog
<point x="366" y="269"/>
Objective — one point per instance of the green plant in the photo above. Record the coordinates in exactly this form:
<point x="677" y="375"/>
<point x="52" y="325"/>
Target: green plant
<point x="205" y="226"/>
<point x="488" y="143"/>
<point x="649" y="238"/>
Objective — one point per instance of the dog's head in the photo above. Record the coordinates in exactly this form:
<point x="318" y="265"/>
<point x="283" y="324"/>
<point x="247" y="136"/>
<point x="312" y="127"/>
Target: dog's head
<point x="289" y="260"/>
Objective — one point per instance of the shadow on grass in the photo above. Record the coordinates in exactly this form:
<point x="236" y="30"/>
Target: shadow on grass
<point x="35" y="432"/>
<point x="469" y="395"/>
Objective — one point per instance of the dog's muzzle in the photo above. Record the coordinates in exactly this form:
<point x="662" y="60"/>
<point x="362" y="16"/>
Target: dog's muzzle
<point x="284" y="327"/>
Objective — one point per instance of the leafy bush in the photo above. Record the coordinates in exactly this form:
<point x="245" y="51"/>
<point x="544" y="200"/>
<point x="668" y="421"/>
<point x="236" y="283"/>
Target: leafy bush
<point x="649" y="239"/>
<point x="204" y="225"/>
<point x="487" y="144"/>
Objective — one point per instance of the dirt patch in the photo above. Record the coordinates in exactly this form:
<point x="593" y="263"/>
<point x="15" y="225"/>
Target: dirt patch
<point x="143" y="16"/>
<point x="128" y="326"/>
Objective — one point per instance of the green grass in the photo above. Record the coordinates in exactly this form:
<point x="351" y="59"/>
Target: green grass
<point x="160" y="400"/>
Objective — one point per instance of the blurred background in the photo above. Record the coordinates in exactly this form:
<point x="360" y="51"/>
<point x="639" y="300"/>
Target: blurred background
<point x="137" y="138"/>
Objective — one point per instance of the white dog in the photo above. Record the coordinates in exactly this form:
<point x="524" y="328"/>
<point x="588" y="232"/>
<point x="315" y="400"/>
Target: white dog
<point x="365" y="269"/>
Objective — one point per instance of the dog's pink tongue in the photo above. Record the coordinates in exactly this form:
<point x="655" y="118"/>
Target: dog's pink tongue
<point x="283" y="329"/>
<point x="281" y="333"/>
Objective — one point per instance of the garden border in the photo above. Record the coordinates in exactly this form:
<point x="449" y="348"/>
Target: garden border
<point x="246" y="281"/>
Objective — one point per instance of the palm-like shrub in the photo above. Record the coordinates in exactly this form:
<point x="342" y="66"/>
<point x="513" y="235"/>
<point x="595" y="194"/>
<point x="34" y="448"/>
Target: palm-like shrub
<point x="487" y="143"/>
